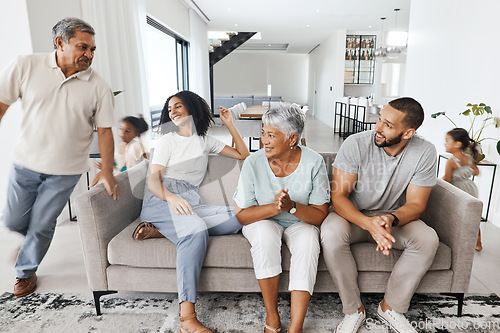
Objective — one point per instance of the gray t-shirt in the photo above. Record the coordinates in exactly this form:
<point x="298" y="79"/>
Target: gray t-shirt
<point x="382" y="179"/>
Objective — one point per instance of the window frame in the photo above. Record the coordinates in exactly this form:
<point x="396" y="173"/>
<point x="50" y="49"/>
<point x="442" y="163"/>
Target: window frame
<point x="181" y="53"/>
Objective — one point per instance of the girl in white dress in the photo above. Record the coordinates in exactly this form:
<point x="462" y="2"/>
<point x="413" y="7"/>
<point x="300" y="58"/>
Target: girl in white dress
<point x="131" y="151"/>
<point x="461" y="167"/>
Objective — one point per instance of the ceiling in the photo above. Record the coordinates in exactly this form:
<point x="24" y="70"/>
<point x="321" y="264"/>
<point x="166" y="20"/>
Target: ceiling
<point x="301" y="24"/>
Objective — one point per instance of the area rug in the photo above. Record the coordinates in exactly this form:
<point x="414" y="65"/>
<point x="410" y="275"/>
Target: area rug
<point x="229" y="312"/>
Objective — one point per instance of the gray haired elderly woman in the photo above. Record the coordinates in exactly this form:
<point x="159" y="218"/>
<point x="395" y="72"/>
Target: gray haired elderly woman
<point x="283" y="193"/>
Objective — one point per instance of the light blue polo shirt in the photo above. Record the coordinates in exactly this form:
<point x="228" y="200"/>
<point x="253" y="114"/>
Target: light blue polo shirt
<point x="258" y="185"/>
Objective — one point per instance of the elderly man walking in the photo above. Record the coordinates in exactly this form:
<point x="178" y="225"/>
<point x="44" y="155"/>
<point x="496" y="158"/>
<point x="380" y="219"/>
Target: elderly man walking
<point x="62" y="100"/>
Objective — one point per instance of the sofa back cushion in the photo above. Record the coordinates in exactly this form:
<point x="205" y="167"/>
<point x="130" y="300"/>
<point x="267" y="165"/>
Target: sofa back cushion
<point x="222" y="176"/>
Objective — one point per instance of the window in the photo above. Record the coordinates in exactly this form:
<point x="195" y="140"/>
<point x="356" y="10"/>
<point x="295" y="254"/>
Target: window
<point x="167" y="63"/>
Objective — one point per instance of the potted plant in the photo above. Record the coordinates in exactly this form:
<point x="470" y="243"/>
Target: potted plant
<point x="480" y="117"/>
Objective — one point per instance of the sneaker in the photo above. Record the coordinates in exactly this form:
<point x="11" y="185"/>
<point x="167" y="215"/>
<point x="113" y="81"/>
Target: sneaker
<point x="397" y="321"/>
<point x="351" y="322"/>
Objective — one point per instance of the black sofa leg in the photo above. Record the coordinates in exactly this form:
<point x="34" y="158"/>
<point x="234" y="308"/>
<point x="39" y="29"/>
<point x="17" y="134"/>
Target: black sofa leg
<point x="460" y="299"/>
<point x="97" y="296"/>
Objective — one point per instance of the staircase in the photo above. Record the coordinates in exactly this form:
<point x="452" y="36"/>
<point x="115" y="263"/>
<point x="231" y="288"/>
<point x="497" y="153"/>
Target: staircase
<point x="219" y="48"/>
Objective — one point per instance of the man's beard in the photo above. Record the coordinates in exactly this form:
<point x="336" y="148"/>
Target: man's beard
<point x="388" y="143"/>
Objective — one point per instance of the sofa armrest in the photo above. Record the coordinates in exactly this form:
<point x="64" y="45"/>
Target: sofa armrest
<point x="455" y="215"/>
<point x="101" y="218"/>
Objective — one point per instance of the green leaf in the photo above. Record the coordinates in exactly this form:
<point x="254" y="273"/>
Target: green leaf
<point x="488" y="109"/>
<point x="437" y="114"/>
<point x="468" y="104"/>
<point x="482" y="104"/>
<point x="118" y="92"/>
<point x="466" y="112"/>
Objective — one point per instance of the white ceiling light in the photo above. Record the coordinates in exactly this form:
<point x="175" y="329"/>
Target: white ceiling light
<point x="397" y="38"/>
<point x="381" y="51"/>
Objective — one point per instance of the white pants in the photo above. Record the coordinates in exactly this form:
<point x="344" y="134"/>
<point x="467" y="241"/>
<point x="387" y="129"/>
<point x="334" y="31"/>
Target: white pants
<point x="302" y="240"/>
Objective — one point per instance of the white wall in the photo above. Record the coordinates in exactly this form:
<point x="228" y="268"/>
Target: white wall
<point x="42" y="17"/>
<point x="288" y="76"/>
<point x="250" y="73"/>
<point x="174" y="14"/>
<point x="326" y="70"/>
<point x="12" y="14"/>
<point x="452" y="61"/>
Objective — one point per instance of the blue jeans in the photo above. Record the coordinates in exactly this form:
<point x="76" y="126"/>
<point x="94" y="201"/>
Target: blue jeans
<point x="188" y="232"/>
<point x="34" y="201"/>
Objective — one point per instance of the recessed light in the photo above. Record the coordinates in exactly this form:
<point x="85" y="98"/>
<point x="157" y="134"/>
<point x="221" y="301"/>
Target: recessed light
<point x="317" y="10"/>
<point x="269" y="45"/>
<point x="307" y="25"/>
<point x="370" y="26"/>
<point x="229" y="9"/>
<point x="236" y="24"/>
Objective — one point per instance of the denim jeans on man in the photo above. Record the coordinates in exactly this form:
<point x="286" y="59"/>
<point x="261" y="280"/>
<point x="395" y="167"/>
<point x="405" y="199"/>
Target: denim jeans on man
<point x="34" y="201"/>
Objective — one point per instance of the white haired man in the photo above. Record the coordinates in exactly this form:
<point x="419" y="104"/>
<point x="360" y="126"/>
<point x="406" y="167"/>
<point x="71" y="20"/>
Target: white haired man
<point x="62" y="100"/>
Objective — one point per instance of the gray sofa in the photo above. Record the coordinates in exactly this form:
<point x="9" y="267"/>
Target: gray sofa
<point x="115" y="262"/>
<point x="228" y="101"/>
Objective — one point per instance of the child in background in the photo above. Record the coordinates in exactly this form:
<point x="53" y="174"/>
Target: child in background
<point x="131" y="151"/>
<point x="461" y="167"/>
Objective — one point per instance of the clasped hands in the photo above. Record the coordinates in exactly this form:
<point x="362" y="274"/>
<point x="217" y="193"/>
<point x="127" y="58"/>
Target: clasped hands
<point x="380" y="228"/>
<point x="282" y="201"/>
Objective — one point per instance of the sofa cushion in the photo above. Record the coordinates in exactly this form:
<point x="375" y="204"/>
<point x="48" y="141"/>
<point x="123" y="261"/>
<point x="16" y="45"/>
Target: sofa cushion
<point x="233" y="251"/>
<point x="220" y="181"/>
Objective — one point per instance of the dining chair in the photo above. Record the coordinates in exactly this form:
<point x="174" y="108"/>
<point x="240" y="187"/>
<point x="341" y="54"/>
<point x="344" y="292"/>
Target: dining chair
<point x="248" y="128"/>
<point x="365" y="119"/>
<point x="340" y="113"/>
<point x="348" y="118"/>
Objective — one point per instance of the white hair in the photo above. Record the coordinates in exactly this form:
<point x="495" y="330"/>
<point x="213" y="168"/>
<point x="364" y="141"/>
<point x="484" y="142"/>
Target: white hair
<point x="67" y="28"/>
<point x="287" y="118"/>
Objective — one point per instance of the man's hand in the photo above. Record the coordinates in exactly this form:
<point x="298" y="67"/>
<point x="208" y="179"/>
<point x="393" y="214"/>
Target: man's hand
<point x="109" y="182"/>
<point x="380" y="230"/>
